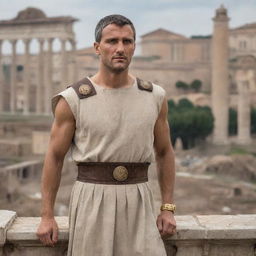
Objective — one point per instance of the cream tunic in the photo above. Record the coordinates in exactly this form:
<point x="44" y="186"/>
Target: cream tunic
<point x="115" y="125"/>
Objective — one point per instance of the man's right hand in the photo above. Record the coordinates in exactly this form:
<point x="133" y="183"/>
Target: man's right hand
<point x="62" y="133"/>
<point x="47" y="231"/>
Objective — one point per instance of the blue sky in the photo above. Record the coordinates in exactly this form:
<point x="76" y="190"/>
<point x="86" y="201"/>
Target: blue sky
<point x="187" y="17"/>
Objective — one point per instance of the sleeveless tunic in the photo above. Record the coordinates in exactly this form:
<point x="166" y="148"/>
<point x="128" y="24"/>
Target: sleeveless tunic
<point x="115" y="125"/>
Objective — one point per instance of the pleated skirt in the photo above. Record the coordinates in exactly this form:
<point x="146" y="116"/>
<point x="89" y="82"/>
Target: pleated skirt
<point x="113" y="220"/>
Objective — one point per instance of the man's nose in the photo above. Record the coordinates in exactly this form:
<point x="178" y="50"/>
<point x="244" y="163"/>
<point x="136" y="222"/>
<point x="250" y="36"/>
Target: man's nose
<point x="120" y="47"/>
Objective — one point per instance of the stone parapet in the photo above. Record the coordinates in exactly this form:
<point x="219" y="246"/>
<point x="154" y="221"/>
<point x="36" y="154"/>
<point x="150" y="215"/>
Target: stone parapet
<point x="214" y="235"/>
<point x="6" y="219"/>
<point x="208" y="235"/>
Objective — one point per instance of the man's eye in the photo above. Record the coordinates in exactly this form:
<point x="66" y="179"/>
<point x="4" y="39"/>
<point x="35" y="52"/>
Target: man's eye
<point x="112" y="41"/>
<point x="127" y="41"/>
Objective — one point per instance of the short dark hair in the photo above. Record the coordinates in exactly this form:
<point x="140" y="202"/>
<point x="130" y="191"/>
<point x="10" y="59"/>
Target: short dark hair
<point x="116" y="19"/>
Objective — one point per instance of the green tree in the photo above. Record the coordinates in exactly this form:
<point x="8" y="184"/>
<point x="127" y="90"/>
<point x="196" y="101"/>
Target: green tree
<point x="253" y="120"/>
<point x="171" y="104"/>
<point x="182" y="85"/>
<point x="190" y="123"/>
<point x="196" y="85"/>
<point x="232" y="123"/>
<point x="185" y="103"/>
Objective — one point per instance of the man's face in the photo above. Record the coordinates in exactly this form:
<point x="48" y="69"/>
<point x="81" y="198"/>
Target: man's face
<point x="116" y="47"/>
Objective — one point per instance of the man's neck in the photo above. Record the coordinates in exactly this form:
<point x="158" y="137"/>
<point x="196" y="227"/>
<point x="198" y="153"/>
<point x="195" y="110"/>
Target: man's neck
<point x="113" y="80"/>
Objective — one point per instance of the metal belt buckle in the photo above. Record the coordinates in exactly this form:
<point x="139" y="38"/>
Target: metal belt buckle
<point x="120" y="173"/>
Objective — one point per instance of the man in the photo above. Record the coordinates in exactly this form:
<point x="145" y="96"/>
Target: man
<point x="112" y="121"/>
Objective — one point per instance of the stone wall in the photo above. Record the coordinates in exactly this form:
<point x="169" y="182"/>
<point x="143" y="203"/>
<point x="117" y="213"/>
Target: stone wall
<point x="40" y="140"/>
<point x="208" y="235"/>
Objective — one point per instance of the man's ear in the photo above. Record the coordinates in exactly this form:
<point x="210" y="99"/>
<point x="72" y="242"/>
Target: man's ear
<point x="96" y="46"/>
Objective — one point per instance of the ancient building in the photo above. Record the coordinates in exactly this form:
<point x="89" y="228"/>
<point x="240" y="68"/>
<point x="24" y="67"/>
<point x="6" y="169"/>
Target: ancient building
<point x="242" y="40"/>
<point x="27" y="81"/>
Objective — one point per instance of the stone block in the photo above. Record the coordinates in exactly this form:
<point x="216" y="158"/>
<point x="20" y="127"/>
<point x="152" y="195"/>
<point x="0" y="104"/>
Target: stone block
<point x="229" y="226"/>
<point x="188" y="228"/>
<point x="235" y="249"/>
<point x="6" y="219"/>
<point x="60" y="249"/>
<point x="22" y="239"/>
<point x="192" y="250"/>
<point x="24" y="229"/>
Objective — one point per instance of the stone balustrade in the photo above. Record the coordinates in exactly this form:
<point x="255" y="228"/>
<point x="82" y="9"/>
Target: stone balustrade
<point x="208" y="235"/>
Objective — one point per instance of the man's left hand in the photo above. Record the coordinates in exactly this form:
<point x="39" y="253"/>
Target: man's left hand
<point x="166" y="224"/>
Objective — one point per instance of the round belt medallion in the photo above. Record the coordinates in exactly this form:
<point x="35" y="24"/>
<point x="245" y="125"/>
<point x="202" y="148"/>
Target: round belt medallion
<point x="120" y="173"/>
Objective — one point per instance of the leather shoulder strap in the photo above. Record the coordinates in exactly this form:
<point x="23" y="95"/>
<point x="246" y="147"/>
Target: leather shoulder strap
<point x="84" y="88"/>
<point x="144" y="85"/>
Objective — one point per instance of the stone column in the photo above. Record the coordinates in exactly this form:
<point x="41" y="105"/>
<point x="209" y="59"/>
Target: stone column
<point x="251" y="76"/>
<point x="1" y="81"/>
<point x="40" y="77"/>
<point x="64" y="64"/>
<point x="244" y="113"/>
<point x="74" y="77"/>
<point x="26" y="83"/>
<point x="48" y="78"/>
<point x="220" y="82"/>
<point x="13" y="89"/>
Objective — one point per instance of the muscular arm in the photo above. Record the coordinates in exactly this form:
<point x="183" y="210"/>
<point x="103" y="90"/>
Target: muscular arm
<point x="165" y="168"/>
<point x="164" y="155"/>
<point x="61" y="136"/>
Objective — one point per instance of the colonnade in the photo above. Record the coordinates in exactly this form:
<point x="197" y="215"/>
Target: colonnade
<point x="44" y="78"/>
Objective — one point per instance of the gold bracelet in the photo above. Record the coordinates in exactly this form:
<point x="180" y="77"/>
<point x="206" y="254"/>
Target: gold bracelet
<point x="168" y="207"/>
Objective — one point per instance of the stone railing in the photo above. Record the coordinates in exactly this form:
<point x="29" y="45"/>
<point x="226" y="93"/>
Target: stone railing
<point x="209" y="235"/>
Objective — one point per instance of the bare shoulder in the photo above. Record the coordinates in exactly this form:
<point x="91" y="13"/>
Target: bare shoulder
<point x="164" y="109"/>
<point x="63" y="112"/>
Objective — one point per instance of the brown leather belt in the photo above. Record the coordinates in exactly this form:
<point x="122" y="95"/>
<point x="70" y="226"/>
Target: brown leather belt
<point x="112" y="172"/>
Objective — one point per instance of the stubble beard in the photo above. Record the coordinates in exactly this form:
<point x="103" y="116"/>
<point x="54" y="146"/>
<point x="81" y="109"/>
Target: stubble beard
<point x="117" y="70"/>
